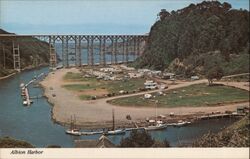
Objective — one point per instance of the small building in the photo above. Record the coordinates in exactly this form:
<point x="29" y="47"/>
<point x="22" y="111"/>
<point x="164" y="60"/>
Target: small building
<point x="156" y="73"/>
<point x="194" y="78"/>
<point x="143" y="71"/>
<point x="168" y="76"/>
<point x="108" y="69"/>
<point x="150" y="85"/>
<point x="241" y="110"/>
<point x="135" y="75"/>
<point x="102" y="142"/>
<point x="147" y="96"/>
<point x="171" y="114"/>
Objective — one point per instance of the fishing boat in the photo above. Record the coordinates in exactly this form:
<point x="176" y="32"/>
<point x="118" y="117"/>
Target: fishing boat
<point x="158" y="125"/>
<point x="73" y="130"/>
<point x="91" y="132"/>
<point x="25" y="103"/>
<point x="114" y="131"/>
<point x="182" y="123"/>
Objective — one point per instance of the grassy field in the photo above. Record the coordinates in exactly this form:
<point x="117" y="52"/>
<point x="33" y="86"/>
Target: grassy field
<point x="79" y="87"/>
<point x="129" y="85"/>
<point x="92" y="84"/>
<point x="85" y="97"/>
<point x="195" y="95"/>
<point x="70" y="76"/>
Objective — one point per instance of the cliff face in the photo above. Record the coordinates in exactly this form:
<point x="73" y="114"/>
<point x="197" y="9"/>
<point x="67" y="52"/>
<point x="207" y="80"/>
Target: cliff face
<point x="32" y="53"/>
<point x="194" y="32"/>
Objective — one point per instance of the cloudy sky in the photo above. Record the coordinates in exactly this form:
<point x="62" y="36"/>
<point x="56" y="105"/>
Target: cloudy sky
<point x="88" y="16"/>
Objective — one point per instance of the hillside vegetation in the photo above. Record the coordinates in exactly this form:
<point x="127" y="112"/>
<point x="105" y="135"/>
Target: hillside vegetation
<point x="32" y="53"/>
<point x="189" y="40"/>
<point x="7" y="142"/>
<point x="236" y="135"/>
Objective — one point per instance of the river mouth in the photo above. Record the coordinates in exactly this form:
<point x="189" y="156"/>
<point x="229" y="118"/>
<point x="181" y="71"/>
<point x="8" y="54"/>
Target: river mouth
<point x="34" y="125"/>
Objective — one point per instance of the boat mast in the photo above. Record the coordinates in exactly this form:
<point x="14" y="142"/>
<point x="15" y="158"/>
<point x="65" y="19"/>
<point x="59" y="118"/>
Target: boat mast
<point x="74" y="121"/>
<point x="113" y="116"/>
<point x="71" y="123"/>
<point x="156" y="111"/>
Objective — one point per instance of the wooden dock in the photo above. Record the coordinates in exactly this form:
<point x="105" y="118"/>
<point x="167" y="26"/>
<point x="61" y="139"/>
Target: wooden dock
<point x="27" y="96"/>
<point x="216" y="116"/>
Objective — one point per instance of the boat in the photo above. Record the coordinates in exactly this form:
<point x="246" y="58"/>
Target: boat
<point x="25" y="102"/>
<point x="182" y="123"/>
<point x="114" y="131"/>
<point x="157" y="125"/>
<point x="91" y="132"/>
<point x="22" y="85"/>
<point x="73" y="130"/>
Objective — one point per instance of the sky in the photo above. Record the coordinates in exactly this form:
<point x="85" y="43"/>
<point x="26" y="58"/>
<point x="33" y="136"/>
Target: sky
<point x="88" y="16"/>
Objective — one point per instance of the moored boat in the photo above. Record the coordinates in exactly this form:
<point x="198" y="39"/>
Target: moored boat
<point x="75" y="132"/>
<point x="25" y="102"/>
<point x="182" y="123"/>
<point x="158" y="124"/>
<point x="91" y="132"/>
<point x="114" y="131"/>
<point x="156" y="127"/>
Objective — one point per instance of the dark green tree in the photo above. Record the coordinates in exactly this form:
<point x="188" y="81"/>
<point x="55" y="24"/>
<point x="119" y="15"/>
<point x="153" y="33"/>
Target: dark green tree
<point x="7" y="142"/>
<point x="196" y="30"/>
<point x="214" y="73"/>
<point x="142" y="139"/>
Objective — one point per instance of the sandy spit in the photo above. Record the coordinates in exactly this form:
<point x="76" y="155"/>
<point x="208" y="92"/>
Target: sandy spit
<point x="98" y="113"/>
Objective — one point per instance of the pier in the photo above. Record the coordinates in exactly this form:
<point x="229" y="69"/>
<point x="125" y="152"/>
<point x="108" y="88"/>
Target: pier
<point x="216" y="116"/>
<point x="25" y="91"/>
<point x="25" y="94"/>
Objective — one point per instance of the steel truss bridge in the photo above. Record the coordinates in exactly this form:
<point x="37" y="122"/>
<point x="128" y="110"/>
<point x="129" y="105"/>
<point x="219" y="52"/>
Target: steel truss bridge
<point x="72" y="46"/>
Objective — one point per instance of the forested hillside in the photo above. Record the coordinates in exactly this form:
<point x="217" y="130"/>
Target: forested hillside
<point x="32" y="53"/>
<point x="236" y="135"/>
<point x="190" y="40"/>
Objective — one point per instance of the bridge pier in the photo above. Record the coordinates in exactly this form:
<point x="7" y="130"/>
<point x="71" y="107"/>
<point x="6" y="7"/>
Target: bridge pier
<point x="65" y="51"/>
<point x="52" y="52"/>
<point x="134" y="48"/>
<point x="78" y="51"/>
<point x="126" y="49"/>
<point x="92" y="51"/>
<point x="102" y="51"/>
<point x="16" y="57"/>
<point x="115" y="51"/>
<point x="137" y="47"/>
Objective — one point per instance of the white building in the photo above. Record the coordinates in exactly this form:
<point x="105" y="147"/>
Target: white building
<point x="150" y="85"/>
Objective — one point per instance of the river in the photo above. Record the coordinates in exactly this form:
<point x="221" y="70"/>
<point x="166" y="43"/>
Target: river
<point x="34" y="125"/>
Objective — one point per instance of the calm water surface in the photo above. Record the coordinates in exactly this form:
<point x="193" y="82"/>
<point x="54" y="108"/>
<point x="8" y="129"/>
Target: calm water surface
<point x="34" y="124"/>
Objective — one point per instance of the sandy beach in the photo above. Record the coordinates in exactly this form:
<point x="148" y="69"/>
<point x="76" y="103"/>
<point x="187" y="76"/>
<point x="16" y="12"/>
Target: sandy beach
<point x="98" y="113"/>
